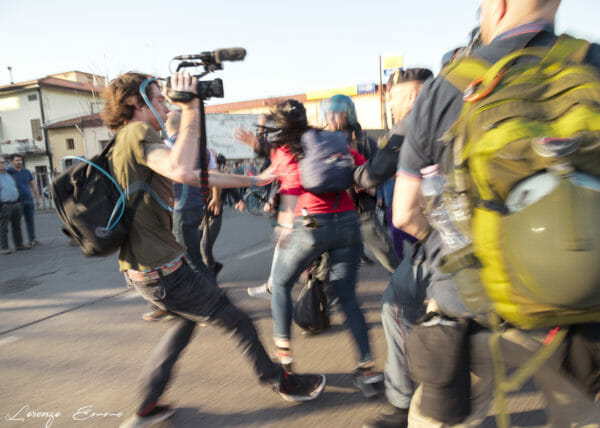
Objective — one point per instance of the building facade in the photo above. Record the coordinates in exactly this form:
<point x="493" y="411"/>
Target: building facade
<point x="84" y="136"/>
<point x="27" y="108"/>
<point x="369" y="103"/>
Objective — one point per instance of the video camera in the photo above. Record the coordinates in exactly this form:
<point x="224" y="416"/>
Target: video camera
<point x="211" y="61"/>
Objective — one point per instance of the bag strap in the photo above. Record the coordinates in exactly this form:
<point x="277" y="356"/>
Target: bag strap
<point x="136" y="187"/>
<point x="462" y="72"/>
<point x="140" y="194"/>
<point x="567" y="49"/>
<point x="504" y="384"/>
<point x="109" y="146"/>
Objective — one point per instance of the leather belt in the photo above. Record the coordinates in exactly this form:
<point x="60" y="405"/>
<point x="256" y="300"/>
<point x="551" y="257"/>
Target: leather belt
<point x="156" y="273"/>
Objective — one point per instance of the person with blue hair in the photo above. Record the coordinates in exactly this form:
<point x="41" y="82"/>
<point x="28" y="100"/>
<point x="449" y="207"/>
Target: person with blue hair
<point x="340" y="114"/>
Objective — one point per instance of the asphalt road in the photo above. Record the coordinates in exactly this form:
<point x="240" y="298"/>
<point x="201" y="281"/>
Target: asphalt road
<point x="72" y="343"/>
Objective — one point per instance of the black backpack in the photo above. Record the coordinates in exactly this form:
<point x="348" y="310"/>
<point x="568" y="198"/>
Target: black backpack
<point x="91" y="204"/>
<point x="311" y="312"/>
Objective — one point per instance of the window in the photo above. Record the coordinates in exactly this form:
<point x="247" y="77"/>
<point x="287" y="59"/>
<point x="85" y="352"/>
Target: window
<point x="36" y="129"/>
<point x="32" y="97"/>
<point x="70" y="144"/>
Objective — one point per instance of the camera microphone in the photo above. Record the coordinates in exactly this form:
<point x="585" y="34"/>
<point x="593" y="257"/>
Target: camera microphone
<point x="217" y="56"/>
<point x="230" y="54"/>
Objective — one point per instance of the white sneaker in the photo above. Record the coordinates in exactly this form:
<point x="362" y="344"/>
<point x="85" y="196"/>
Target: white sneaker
<point x="260" y="292"/>
<point x="370" y="383"/>
<point x="158" y="414"/>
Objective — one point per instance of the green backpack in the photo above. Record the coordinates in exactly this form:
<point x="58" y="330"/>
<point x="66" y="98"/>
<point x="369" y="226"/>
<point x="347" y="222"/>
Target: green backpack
<point x="522" y="183"/>
<point x="522" y="165"/>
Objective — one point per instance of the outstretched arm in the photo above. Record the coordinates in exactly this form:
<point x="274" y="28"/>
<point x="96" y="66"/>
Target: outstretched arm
<point x="233" y="180"/>
<point x="246" y="137"/>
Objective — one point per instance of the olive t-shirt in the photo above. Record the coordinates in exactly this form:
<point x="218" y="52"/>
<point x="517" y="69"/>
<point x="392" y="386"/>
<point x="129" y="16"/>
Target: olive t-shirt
<point x="150" y="243"/>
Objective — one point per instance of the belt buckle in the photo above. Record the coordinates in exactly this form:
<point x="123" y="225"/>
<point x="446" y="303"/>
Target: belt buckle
<point x="142" y="276"/>
<point x="155" y="273"/>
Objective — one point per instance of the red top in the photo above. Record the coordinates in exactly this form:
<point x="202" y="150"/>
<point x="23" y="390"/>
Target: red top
<point x="286" y="167"/>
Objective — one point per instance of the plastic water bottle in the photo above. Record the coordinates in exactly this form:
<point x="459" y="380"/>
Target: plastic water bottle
<point x="432" y="188"/>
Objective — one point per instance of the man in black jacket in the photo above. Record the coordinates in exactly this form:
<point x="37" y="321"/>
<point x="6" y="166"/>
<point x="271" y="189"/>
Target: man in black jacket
<point x="402" y="90"/>
<point x="401" y="304"/>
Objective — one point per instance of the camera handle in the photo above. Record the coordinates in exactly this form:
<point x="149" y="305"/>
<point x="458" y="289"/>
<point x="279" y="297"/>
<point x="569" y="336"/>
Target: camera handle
<point x="204" y="189"/>
<point x="181" y="96"/>
<point x="186" y="97"/>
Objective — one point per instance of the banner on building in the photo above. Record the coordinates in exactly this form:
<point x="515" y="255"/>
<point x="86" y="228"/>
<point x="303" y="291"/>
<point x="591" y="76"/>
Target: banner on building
<point x="326" y="93"/>
<point x="391" y="63"/>
<point x="366" y="88"/>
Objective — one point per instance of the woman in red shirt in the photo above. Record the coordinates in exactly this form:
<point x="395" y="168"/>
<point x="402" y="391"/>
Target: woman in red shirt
<point x="337" y="231"/>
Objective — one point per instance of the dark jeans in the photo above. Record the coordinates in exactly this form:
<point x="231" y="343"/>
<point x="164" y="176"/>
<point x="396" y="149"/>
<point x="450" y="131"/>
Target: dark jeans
<point x="195" y="297"/>
<point x="187" y="231"/>
<point x="211" y="227"/>
<point x="28" y="210"/>
<point x="10" y="212"/>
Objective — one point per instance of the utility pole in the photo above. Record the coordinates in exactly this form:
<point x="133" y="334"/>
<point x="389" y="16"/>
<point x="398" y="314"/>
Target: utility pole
<point x="382" y="106"/>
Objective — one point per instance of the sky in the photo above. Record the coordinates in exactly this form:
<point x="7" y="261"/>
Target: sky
<point x="292" y="46"/>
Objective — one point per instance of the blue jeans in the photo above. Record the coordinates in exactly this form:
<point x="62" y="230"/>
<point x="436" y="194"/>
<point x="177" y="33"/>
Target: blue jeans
<point x="339" y="234"/>
<point x="28" y="209"/>
<point x="195" y="297"/>
<point x="402" y="305"/>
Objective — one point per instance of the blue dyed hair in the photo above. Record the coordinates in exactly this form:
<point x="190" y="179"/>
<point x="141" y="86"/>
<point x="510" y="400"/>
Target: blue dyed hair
<point x="340" y="104"/>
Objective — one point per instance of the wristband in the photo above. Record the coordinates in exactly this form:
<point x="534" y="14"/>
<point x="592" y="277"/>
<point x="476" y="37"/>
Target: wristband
<point x="252" y="180"/>
<point x="285" y="225"/>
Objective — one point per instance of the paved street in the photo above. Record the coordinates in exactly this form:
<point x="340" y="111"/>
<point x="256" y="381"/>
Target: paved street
<point x="72" y="342"/>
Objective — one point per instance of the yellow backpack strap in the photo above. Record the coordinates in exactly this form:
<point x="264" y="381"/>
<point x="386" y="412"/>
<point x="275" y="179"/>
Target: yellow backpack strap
<point x="463" y="71"/>
<point x="504" y="385"/>
<point x="567" y="49"/>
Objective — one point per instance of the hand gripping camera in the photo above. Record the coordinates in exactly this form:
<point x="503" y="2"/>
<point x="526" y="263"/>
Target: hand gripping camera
<point x="211" y="61"/>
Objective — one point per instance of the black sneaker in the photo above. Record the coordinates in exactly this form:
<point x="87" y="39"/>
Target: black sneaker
<point x="294" y="387"/>
<point x="366" y="261"/>
<point x="217" y="268"/>
<point x="154" y="416"/>
<point x="390" y="417"/>
<point x="369" y="382"/>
